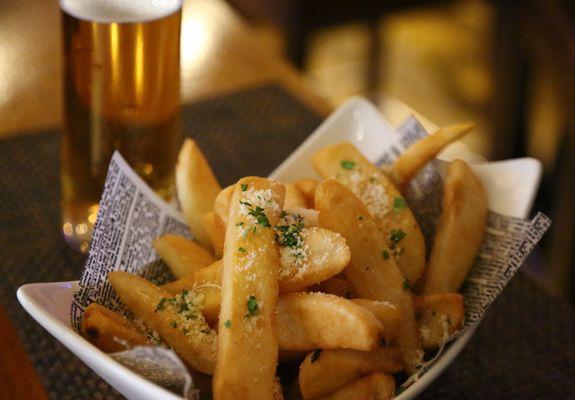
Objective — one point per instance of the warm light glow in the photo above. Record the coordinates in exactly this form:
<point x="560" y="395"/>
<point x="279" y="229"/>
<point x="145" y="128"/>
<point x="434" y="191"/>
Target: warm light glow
<point x="195" y="39"/>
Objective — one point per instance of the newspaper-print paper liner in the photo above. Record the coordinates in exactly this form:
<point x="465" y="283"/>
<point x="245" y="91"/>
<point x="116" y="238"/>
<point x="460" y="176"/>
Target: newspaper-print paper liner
<point x="131" y="216"/>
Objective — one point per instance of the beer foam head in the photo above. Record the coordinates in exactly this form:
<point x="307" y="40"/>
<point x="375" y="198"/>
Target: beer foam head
<point x="108" y="11"/>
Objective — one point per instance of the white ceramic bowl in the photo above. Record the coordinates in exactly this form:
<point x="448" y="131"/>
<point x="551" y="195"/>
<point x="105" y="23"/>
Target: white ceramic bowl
<point x="511" y="187"/>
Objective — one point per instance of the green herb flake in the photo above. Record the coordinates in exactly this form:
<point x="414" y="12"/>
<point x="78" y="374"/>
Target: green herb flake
<point x="290" y="235"/>
<point x="174" y="324"/>
<point x="315" y="355"/>
<point x="244" y="187"/>
<point x="253" y="307"/>
<point x="185" y="331"/>
<point x="385" y="254"/>
<point x="397" y="235"/>
<point x="242" y="249"/>
<point x="399" y="204"/>
<point x="260" y="216"/>
<point x="346" y="164"/>
<point x="228" y="324"/>
<point x="161" y="305"/>
<point x="405" y="284"/>
<point x="240" y="224"/>
<point x="283" y="214"/>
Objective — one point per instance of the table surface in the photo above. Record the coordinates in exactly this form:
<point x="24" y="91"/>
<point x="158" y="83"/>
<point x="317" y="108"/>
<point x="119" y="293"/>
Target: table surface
<point x="220" y="53"/>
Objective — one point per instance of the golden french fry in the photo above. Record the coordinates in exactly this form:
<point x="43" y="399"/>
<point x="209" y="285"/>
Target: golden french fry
<point x="439" y="316"/>
<point x="110" y="331"/>
<point x="183" y="256"/>
<point x="196" y="187"/>
<point x="423" y="151"/>
<point x="320" y="255"/>
<point x="307" y="188"/>
<point x="326" y="371"/>
<point x="387" y="313"/>
<point x="336" y="285"/>
<point x="248" y="340"/>
<point x="222" y="203"/>
<point x="208" y="298"/>
<point x="309" y="216"/>
<point x="459" y="232"/>
<point x="210" y="275"/>
<point x="372" y="275"/>
<point x="177" y="319"/>
<point x="317" y="256"/>
<point x="317" y="320"/>
<point x="386" y="205"/>
<point x="294" y="199"/>
<point x="216" y="231"/>
<point x="376" y="386"/>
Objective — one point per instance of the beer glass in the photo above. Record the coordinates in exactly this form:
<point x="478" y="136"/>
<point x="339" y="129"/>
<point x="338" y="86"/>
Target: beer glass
<point x="121" y="92"/>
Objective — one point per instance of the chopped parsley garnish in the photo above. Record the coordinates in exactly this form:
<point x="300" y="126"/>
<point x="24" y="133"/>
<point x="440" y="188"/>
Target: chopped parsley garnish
<point x="161" y="305"/>
<point x="283" y="214"/>
<point x="242" y="249"/>
<point x="244" y="187"/>
<point x="253" y="307"/>
<point x="399" y="204"/>
<point x="346" y="164"/>
<point x="228" y="324"/>
<point x="315" y="355"/>
<point x="289" y="235"/>
<point x="397" y="235"/>
<point x="240" y="224"/>
<point x="405" y="284"/>
<point x="385" y="254"/>
<point x="259" y="214"/>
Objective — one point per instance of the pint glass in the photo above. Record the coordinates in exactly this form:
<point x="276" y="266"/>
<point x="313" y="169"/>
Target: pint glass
<point x="121" y="92"/>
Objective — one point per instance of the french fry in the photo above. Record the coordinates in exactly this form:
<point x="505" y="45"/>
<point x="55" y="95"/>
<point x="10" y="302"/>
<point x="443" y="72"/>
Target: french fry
<point x="308" y="215"/>
<point x="183" y="256"/>
<point x="294" y="199"/>
<point x="307" y="188"/>
<point x="316" y="256"/>
<point x="210" y="275"/>
<point x="439" y="316"/>
<point x="326" y="371"/>
<point x="208" y="301"/>
<point x="321" y="255"/>
<point x="248" y="340"/>
<point x="376" y="386"/>
<point x="386" y="205"/>
<point x="423" y="151"/>
<point x="176" y="319"/>
<point x="222" y="203"/>
<point x="372" y="275"/>
<point x="317" y="320"/>
<point x="335" y="285"/>
<point x="110" y="331"/>
<point x="196" y="187"/>
<point x="216" y="231"/>
<point x="459" y="232"/>
<point x="387" y="313"/>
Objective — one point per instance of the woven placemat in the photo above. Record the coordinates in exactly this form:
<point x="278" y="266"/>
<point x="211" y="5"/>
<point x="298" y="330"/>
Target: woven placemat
<point x="525" y="348"/>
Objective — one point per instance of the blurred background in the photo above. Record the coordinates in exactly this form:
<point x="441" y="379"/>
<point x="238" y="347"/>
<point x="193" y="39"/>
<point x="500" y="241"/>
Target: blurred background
<point x="506" y="65"/>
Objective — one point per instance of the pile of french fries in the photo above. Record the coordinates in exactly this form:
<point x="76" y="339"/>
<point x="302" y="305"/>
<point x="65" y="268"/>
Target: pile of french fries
<point x="331" y="275"/>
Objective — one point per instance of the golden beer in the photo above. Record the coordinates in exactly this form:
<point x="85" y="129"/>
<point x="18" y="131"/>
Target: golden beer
<point x="121" y="92"/>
